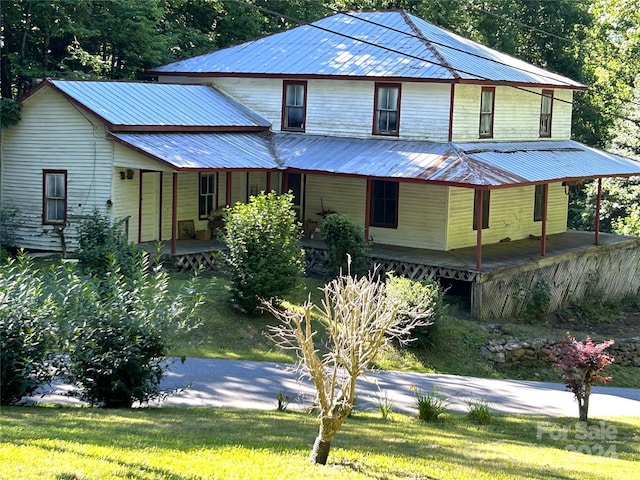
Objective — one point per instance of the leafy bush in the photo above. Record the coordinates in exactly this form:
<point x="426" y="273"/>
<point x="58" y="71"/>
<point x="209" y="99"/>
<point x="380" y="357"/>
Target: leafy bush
<point x="98" y="239"/>
<point x="27" y="331"/>
<point x="343" y="236"/>
<point x="430" y="405"/>
<point x="408" y="294"/>
<point x="263" y="258"/>
<point x="479" y="412"/>
<point x="117" y="331"/>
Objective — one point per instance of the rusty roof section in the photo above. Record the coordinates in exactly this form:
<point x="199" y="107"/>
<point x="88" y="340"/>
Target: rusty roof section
<point x="485" y="165"/>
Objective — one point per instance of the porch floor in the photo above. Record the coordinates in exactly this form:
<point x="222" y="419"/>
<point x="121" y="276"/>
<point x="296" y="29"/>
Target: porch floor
<point x="494" y="257"/>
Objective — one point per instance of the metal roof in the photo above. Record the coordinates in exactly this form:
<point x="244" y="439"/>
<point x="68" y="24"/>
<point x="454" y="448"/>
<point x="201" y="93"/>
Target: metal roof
<point x="482" y="164"/>
<point x="368" y="44"/>
<point x="136" y="104"/>
<point x="490" y="164"/>
<point x="201" y="151"/>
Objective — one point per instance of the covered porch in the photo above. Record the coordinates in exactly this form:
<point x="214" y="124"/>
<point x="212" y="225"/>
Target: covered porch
<point x="572" y="266"/>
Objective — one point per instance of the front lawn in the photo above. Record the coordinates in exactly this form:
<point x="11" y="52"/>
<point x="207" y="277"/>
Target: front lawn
<point x="169" y="443"/>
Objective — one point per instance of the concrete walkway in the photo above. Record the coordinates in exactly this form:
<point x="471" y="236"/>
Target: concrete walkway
<point x="255" y="385"/>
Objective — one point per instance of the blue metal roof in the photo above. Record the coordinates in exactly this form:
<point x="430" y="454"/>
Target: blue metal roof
<point x="488" y="164"/>
<point x="368" y="44"/>
<point x="137" y="104"/>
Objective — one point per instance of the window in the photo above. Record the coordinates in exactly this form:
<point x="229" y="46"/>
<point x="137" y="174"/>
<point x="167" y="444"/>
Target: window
<point x="207" y="198"/>
<point x="54" y="198"/>
<point x="537" y="203"/>
<point x="487" y="100"/>
<point x="294" y="106"/>
<point x="546" y="110"/>
<point x="486" y="196"/>
<point x="384" y="204"/>
<point x="387" y="109"/>
<point x="295" y="183"/>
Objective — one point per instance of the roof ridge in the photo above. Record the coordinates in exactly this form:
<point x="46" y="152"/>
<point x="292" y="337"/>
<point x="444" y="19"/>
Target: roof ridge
<point x="428" y="44"/>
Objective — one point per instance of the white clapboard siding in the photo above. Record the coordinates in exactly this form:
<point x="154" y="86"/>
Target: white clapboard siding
<point x="516" y="114"/>
<point x="53" y="134"/>
<point x="125" y="200"/>
<point x="510" y="215"/>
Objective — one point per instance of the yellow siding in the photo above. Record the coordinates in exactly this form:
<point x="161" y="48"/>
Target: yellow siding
<point x="516" y="114"/>
<point x="510" y="216"/>
<point x="344" y="195"/>
<point x="125" y="201"/>
<point x="422" y="218"/>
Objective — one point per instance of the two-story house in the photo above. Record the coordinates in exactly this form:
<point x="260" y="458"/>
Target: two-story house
<point x="456" y="159"/>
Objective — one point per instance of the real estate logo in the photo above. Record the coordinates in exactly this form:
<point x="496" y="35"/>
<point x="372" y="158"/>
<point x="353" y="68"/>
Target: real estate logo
<point x="595" y="439"/>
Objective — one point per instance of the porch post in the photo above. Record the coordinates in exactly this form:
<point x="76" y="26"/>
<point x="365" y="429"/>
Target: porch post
<point x="268" y="183"/>
<point x="228" y="188"/>
<point x="543" y="235"/>
<point x="174" y="214"/>
<point x="367" y="210"/>
<point x="598" y="200"/>
<point x="479" y="230"/>
<point x="140" y="207"/>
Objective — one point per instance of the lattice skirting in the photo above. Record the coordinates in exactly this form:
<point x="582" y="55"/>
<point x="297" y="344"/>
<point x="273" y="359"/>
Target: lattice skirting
<point x="193" y="261"/>
<point x="417" y="271"/>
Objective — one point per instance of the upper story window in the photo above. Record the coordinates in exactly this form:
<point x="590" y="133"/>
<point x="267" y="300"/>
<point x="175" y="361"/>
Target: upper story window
<point x="54" y="197"/>
<point x="384" y="204"/>
<point x="486" y="201"/>
<point x="387" y="109"/>
<point x="487" y="103"/>
<point x="207" y="197"/>
<point x="294" y="106"/>
<point x="546" y="111"/>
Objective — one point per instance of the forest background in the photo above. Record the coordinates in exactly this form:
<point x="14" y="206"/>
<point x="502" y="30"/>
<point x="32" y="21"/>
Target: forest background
<point x="596" y="42"/>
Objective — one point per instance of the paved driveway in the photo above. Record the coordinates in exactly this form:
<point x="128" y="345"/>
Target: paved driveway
<point x="245" y="384"/>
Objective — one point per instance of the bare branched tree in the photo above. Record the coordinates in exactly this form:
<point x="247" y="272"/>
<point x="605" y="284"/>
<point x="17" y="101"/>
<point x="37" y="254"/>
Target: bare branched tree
<point x="359" y="318"/>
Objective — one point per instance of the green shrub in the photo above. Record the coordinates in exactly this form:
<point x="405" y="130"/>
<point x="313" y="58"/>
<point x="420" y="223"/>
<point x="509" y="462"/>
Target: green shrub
<point x="27" y="330"/>
<point x="263" y="258"/>
<point x="343" y="236"/>
<point x="411" y="293"/>
<point x="98" y="239"/>
<point x="430" y="405"/>
<point x="117" y="331"/>
<point x="479" y="412"/>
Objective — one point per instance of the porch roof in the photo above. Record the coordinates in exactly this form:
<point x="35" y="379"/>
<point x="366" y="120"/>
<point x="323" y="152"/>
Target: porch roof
<point x="482" y="164"/>
<point x="477" y="164"/>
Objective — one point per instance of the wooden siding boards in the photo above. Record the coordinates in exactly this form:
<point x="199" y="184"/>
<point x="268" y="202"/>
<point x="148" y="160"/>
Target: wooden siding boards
<point x="54" y="135"/>
<point x="510" y="215"/>
<point x="516" y="114"/>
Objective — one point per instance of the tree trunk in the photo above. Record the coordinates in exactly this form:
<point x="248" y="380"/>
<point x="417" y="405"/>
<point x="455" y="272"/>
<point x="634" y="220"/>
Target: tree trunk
<point x="584" y="405"/>
<point x="320" y="451"/>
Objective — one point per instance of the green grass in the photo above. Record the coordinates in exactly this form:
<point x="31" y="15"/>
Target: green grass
<point x="80" y="443"/>
<point x="228" y="333"/>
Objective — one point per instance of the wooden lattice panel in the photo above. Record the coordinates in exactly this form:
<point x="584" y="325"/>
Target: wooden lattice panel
<point x="418" y="271"/>
<point x="194" y="261"/>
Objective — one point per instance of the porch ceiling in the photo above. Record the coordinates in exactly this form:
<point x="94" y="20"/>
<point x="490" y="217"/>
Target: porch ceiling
<point x="477" y="164"/>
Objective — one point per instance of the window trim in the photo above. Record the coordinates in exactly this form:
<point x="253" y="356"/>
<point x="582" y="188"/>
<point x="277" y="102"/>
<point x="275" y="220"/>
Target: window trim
<point x="213" y="195"/>
<point x="538" y="202"/>
<point x="546" y="94"/>
<point x="372" y="201"/>
<point x="491" y="114"/>
<point x="45" y="220"/>
<point x="376" y="113"/>
<point x="284" y="117"/>
<point x="486" y="208"/>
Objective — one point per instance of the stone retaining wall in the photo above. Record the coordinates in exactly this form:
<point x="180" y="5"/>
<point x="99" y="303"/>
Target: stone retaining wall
<point x="513" y="351"/>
